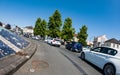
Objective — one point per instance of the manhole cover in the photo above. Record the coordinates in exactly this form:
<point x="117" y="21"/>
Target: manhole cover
<point x="32" y="70"/>
<point x="39" y="64"/>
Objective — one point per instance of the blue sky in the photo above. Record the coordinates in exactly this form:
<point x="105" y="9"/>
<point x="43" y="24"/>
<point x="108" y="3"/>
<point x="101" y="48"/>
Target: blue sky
<point x="100" y="16"/>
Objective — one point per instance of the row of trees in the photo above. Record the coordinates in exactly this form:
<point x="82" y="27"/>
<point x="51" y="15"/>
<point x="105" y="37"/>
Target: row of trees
<point x="55" y="29"/>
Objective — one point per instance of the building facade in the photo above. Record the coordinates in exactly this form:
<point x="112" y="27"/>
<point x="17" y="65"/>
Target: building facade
<point x="28" y="30"/>
<point x="113" y="43"/>
<point x="75" y="38"/>
<point x="99" y="41"/>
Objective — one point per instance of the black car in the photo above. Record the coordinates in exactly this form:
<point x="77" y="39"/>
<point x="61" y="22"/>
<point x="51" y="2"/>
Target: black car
<point x="74" y="46"/>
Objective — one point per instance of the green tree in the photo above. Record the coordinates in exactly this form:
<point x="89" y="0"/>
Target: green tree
<point x="67" y="30"/>
<point x="37" y="27"/>
<point x="40" y="27"/>
<point x="82" y="35"/>
<point x="43" y="28"/>
<point x="55" y="24"/>
<point x="51" y="26"/>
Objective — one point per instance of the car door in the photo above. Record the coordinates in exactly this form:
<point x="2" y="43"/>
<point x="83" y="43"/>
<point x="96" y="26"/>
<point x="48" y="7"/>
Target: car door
<point x="94" y="55"/>
<point x="89" y="55"/>
<point x="103" y="56"/>
<point x="100" y="58"/>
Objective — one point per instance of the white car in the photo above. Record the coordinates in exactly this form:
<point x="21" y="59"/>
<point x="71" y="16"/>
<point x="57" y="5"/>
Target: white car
<point x="56" y="42"/>
<point x="49" y="40"/>
<point x="106" y="58"/>
<point x="35" y="38"/>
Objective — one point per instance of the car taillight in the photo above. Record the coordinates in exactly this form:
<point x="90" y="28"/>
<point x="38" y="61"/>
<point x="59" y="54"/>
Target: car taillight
<point x="53" y="40"/>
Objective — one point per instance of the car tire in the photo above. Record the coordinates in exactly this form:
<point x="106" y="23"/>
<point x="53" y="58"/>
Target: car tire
<point x="82" y="56"/>
<point x="109" y="69"/>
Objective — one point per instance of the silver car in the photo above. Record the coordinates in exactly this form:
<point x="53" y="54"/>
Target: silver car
<point x="106" y="58"/>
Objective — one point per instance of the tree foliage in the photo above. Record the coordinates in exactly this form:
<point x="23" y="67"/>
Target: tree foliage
<point x="55" y="24"/>
<point x="36" y="28"/>
<point x="67" y="30"/>
<point x="40" y="27"/>
<point x="43" y="28"/>
<point x="82" y="35"/>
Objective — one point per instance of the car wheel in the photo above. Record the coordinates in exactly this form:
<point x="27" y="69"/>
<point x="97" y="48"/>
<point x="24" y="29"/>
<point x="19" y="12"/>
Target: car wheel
<point x="109" y="70"/>
<point x="82" y="56"/>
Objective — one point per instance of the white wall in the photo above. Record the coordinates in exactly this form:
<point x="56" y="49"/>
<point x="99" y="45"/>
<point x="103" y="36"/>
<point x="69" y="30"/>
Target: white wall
<point x="112" y="45"/>
<point x="25" y="30"/>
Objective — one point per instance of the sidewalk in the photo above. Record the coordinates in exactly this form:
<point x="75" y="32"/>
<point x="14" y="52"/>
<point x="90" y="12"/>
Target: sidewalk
<point x="10" y="64"/>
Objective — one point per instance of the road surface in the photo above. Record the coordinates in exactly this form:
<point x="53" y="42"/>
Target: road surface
<point x="50" y="60"/>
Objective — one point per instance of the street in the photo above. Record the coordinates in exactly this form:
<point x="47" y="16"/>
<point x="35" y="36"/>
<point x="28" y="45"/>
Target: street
<point x="50" y="60"/>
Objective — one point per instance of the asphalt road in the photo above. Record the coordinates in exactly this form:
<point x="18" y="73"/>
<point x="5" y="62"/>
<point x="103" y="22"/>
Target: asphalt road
<point x="50" y="60"/>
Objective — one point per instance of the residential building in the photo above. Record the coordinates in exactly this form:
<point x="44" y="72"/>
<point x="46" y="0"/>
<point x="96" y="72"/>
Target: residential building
<point x="89" y="43"/>
<point x="113" y="43"/>
<point x="75" y="38"/>
<point x="28" y="30"/>
<point x="99" y="41"/>
<point x="17" y="30"/>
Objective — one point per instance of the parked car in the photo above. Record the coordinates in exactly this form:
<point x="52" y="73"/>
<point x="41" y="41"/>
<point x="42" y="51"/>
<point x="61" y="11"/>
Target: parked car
<point x="46" y="40"/>
<point x="62" y="42"/>
<point x="35" y="38"/>
<point x="106" y="58"/>
<point x="74" y="46"/>
<point x="49" y="40"/>
<point x="56" y="42"/>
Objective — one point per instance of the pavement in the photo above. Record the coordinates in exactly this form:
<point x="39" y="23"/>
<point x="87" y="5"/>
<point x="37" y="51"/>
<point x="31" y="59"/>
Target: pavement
<point x="11" y="63"/>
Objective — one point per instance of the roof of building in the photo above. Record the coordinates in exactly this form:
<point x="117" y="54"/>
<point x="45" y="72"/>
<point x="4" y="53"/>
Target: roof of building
<point x="29" y="27"/>
<point x="113" y="40"/>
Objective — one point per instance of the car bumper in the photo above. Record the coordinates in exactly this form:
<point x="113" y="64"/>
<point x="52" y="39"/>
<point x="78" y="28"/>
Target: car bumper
<point x="56" y="44"/>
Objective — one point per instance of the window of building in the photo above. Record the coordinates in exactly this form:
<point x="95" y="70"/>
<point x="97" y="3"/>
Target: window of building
<point x="113" y="45"/>
<point x="117" y="45"/>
